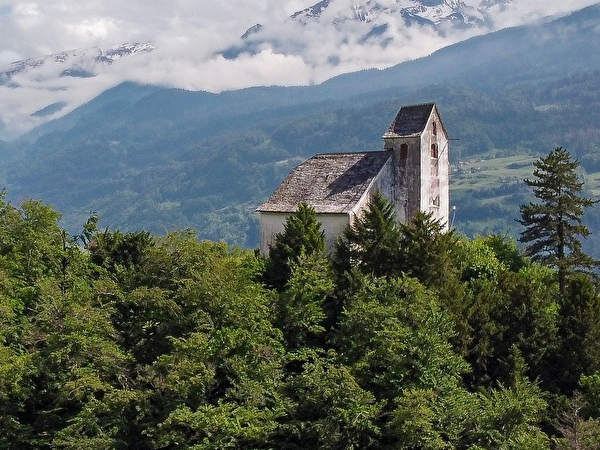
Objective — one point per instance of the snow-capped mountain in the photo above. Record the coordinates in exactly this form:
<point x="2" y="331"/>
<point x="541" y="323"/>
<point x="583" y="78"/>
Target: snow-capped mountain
<point x="36" y="90"/>
<point x="432" y="12"/>
<point x="75" y="63"/>
<point x="310" y="13"/>
<point x="309" y="46"/>
<point x="379" y="21"/>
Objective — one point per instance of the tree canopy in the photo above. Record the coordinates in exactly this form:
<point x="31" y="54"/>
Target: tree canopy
<point x="144" y="341"/>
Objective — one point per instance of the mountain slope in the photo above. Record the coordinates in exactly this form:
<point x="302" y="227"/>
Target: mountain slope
<point x="513" y="55"/>
<point x="316" y="43"/>
<point x="152" y="158"/>
<point x="546" y="51"/>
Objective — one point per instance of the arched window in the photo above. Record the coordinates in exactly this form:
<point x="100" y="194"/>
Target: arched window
<point x="434" y="128"/>
<point x="434" y="151"/>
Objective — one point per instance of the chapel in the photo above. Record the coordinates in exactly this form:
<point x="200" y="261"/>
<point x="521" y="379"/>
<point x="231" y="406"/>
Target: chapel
<point x="412" y="172"/>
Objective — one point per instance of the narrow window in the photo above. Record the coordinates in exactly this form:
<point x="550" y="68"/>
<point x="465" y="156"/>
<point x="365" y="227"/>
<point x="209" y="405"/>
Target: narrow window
<point x="434" y="128"/>
<point x="434" y="151"/>
<point x="404" y="151"/>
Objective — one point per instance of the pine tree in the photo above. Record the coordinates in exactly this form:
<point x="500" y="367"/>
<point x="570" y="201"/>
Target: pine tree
<point x="425" y="249"/>
<point x="301" y="234"/>
<point x="371" y="243"/>
<point x="554" y="225"/>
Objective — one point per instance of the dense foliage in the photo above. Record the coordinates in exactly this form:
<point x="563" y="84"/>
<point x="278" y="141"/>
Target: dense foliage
<point x="131" y="340"/>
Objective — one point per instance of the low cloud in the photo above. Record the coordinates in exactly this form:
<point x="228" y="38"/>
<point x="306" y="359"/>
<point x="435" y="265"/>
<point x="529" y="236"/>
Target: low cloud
<point x="189" y="36"/>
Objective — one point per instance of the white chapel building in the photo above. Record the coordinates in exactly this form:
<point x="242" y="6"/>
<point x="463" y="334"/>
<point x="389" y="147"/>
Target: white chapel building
<point x="412" y="172"/>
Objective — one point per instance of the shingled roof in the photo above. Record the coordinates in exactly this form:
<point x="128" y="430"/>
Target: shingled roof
<point x="410" y="120"/>
<point x="329" y="182"/>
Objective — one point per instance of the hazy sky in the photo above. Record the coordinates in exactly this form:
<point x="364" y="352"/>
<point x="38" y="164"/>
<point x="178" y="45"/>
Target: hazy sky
<point x="188" y="33"/>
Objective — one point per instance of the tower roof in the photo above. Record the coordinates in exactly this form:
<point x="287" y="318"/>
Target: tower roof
<point x="410" y="120"/>
<point x="329" y="182"/>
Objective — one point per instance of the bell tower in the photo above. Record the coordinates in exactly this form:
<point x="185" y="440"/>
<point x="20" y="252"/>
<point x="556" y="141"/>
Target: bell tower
<point x="418" y="141"/>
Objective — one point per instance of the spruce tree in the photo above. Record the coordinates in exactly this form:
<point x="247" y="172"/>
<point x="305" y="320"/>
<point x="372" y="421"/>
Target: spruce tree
<point x="371" y="243"/>
<point x="553" y="226"/>
<point x="302" y="234"/>
<point x="426" y="249"/>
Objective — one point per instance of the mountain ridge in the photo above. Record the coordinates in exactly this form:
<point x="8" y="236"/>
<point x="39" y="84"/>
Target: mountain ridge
<point x="147" y="157"/>
<point x="99" y="55"/>
<point x="442" y="16"/>
<point x="38" y="90"/>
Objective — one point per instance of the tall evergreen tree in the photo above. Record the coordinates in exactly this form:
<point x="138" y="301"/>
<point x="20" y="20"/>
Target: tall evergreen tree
<point x="554" y="225"/>
<point x="426" y="249"/>
<point x="372" y="242"/>
<point x="301" y="234"/>
<point x="579" y="331"/>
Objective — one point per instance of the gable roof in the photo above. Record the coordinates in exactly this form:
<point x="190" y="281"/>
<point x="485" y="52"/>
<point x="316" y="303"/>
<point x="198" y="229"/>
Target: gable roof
<point x="410" y="120"/>
<point x="329" y="182"/>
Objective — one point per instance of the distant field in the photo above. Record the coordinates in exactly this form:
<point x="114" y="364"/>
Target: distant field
<point x="490" y="172"/>
<point x="483" y="173"/>
<point x="487" y="191"/>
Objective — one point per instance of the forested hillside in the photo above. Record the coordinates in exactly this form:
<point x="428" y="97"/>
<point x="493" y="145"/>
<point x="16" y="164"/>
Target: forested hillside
<point x="146" y="176"/>
<point x="405" y="337"/>
<point x="156" y="159"/>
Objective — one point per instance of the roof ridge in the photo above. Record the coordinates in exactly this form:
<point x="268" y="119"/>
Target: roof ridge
<point x="329" y="182"/>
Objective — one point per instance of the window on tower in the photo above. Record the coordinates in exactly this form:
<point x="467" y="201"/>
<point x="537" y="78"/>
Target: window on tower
<point x="403" y="151"/>
<point x="434" y="151"/>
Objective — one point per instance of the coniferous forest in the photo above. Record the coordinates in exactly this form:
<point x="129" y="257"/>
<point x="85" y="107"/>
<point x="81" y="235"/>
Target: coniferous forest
<point x="404" y="336"/>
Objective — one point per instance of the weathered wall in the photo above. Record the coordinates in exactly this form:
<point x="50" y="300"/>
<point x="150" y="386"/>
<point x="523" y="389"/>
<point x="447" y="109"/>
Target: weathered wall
<point x="333" y="225"/>
<point x="272" y="223"/>
<point x="434" y="196"/>
<point x="406" y="190"/>
<point x="384" y="181"/>
<point x="422" y="180"/>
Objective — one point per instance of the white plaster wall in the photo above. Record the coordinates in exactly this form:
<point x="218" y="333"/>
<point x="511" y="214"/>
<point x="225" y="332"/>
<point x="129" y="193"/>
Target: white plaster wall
<point x="444" y="170"/>
<point x="442" y="211"/>
<point x="425" y="196"/>
<point x="384" y="181"/>
<point x="272" y="223"/>
<point x="333" y="225"/>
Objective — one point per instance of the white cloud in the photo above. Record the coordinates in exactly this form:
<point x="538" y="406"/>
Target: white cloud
<point x="188" y="33"/>
<point x="518" y="12"/>
<point x="100" y="28"/>
<point x="39" y="28"/>
<point x="28" y="15"/>
<point x="7" y="57"/>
